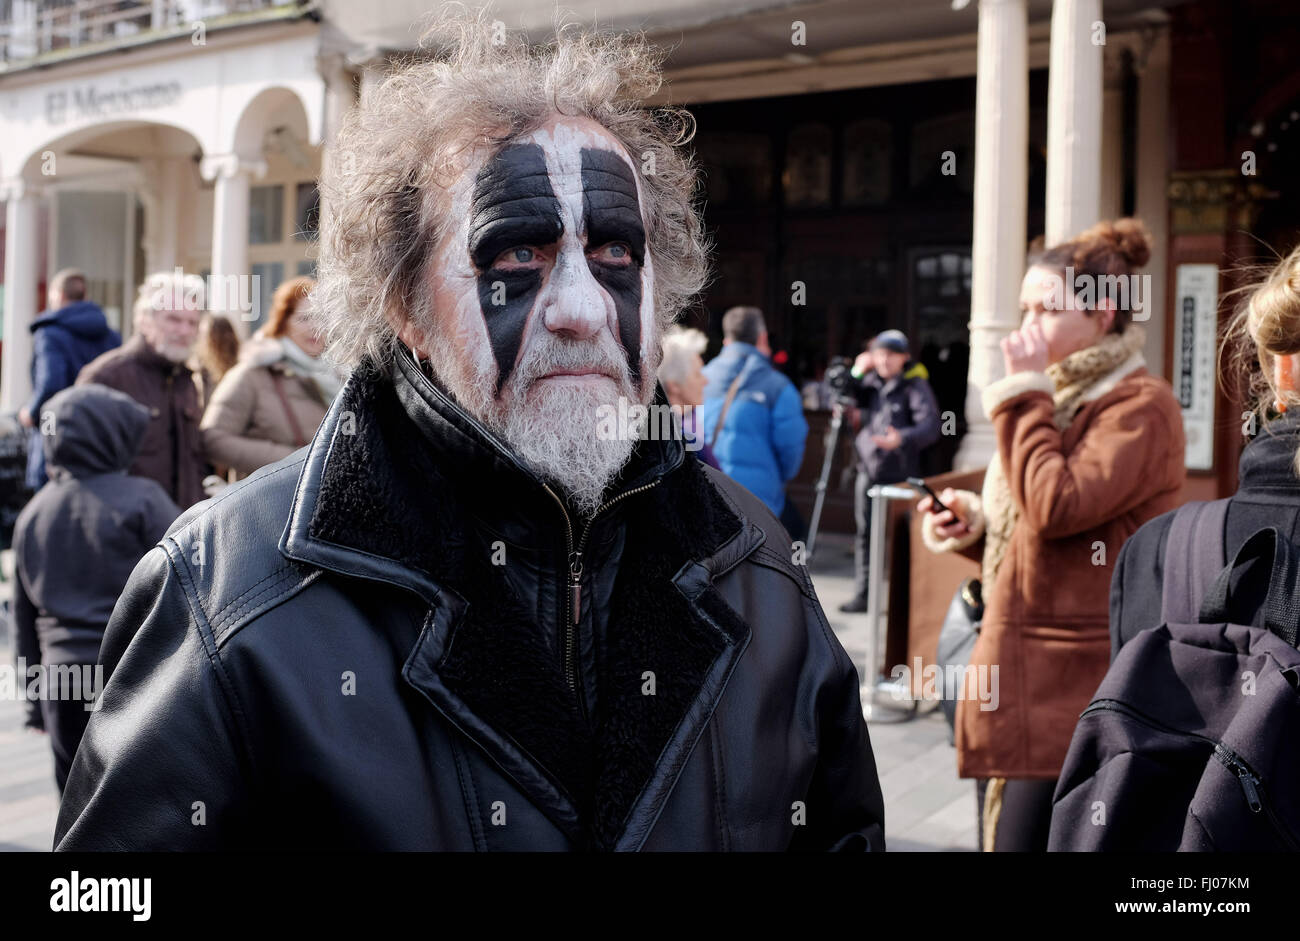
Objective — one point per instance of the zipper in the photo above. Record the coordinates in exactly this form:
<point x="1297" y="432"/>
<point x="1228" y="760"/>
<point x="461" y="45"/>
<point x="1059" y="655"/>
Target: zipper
<point x="1252" y="785"/>
<point x="573" y="595"/>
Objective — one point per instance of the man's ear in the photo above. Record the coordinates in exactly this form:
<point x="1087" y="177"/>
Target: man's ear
<point x="409" y="334"/>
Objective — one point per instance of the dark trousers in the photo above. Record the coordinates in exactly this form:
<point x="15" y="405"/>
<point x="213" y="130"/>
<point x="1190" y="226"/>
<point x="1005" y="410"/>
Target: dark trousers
<point x="65" y="723"/>
<point x="1025" y="816"/>
<point x="862" y="544"/>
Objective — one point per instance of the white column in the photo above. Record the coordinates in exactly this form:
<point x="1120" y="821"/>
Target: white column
<point x="1152" y="175"/>
<point x="1074" y="119"/>
<point x="230" y="219"/>
<point x="1111" y="197"/>
<point x="163" y="199"/>
<point x="22" y="275"/>
<point x="1001" y="184"/>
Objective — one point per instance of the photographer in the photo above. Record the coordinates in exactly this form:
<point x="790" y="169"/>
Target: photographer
<point x="897" y="417"/>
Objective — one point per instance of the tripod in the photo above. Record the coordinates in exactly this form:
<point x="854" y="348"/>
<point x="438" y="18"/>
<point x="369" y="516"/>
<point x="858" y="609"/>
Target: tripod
<point x="830" y="443"/>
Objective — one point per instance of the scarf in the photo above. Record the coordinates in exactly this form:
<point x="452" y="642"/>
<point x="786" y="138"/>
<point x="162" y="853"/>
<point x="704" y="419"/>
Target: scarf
<point x="1081" y="377"/>
<point x="313" y="368"/>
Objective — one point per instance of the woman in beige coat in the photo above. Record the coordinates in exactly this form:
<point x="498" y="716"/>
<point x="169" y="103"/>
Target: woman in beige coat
<point x="272" y="402"/>
<point x="1090" y="447"/>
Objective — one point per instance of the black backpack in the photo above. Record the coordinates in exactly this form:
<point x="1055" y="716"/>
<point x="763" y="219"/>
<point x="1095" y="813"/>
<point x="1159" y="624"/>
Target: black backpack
<point x="1192" y="741"/>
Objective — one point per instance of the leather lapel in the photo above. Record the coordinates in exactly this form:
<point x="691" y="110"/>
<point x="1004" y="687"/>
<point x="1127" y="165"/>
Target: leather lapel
<point x="373" y="503"/>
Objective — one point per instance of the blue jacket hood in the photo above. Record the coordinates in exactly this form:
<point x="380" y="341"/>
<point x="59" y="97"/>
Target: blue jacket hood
<point x="84" y="318"/>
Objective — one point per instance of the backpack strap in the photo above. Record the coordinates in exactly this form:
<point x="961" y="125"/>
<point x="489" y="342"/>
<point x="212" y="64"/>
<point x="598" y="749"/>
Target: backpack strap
<point x="1193" y="558"/>
<point x="1281" y="604"/>
<point x="746" y="370"/>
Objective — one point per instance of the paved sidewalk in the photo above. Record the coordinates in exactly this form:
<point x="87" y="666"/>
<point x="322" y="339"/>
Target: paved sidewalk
<point x="926" y="806"/>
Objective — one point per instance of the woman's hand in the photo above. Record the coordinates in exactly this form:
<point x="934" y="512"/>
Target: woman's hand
<point x="1025" y="350"/>
<point x="948" y="523"/>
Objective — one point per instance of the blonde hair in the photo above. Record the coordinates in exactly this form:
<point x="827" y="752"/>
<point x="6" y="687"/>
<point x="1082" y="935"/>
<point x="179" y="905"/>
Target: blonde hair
<point x="1265" y="326"/>
<point x="680" y="344"/>
<point x="382" y="216"/>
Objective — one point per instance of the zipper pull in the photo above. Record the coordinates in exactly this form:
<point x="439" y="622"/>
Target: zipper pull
<point x="575" y="586"/>
<point x="1252" y="795"/>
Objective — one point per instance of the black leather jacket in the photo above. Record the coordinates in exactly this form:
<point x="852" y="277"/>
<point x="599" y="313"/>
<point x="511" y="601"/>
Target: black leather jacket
<point x="372" y="645"/>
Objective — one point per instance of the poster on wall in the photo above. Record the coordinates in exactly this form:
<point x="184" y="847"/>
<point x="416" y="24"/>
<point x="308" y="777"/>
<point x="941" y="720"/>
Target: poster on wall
<point x="1196" y="304"/>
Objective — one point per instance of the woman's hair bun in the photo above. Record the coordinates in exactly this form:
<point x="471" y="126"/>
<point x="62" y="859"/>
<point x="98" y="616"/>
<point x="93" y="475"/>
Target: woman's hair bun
<point x="1127" y="237"/>
<point x="1274" y="309"/>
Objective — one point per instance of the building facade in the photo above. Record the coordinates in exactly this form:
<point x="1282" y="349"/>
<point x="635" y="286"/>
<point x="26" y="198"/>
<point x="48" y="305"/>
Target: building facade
<point x="866" y="164"/>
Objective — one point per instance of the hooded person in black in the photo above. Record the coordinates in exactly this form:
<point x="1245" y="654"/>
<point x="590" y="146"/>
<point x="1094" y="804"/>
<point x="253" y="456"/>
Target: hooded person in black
<point x="75" y="545"/>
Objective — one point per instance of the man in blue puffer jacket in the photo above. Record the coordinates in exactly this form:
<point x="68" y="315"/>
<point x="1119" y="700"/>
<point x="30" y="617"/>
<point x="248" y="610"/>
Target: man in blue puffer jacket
<point x="64" y="338"/>
<point x="763" y="431"/>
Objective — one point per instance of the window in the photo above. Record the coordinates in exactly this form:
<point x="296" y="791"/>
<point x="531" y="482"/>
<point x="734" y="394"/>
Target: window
<point x="807" y="177"/>
<point x="269" y="275"/>
<point x="265" y="215"/>
<point x="307" y="216"/>
<point x="737" y="168"/>
<point x="868" y="150"/>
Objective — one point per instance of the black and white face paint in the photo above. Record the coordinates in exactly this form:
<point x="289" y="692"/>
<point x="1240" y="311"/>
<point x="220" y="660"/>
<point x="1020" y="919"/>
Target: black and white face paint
<point x="546" y="295"/>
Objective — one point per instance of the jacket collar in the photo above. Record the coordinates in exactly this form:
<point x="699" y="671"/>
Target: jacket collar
<point x="1268" y="461"/>
<point x="393" y="490"/>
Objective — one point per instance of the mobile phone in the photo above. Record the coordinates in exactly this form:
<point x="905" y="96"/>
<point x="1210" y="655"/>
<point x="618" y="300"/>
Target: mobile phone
<point x="919" y="485"/>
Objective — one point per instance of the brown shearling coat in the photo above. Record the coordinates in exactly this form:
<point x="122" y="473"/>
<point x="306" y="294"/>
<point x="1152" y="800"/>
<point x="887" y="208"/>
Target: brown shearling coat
<point x="1080" y="493"/>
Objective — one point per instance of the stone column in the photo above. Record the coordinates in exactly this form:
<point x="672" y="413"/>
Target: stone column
<point x="231" y="174"/>
<point x="1001" y="194"/>
<point x="1074" y="119"/>
<point x="22" y="276"/>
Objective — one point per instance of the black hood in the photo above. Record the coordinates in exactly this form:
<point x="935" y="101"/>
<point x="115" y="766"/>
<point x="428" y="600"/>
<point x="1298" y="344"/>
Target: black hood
<point x="95" y="430"/>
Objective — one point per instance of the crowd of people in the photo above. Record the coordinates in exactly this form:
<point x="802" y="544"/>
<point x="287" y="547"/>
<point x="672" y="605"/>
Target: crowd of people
<point x="462" y="620"/>
<point x="125" y="436"/>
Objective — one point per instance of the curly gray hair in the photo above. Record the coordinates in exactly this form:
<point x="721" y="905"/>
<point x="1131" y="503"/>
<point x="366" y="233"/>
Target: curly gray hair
<point x="382" y="221"/>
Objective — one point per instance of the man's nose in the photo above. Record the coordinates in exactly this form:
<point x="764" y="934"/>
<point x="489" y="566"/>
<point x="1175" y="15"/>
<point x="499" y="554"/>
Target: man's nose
<point x="577" y="302"/>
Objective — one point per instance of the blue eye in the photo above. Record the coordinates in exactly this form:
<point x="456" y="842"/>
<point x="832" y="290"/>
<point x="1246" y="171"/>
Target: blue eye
<point x="523" y="254"/>
<point x="618" y="250"/>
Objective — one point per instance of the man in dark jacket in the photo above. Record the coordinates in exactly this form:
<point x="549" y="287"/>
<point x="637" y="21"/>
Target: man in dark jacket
<point x="465" y="617"/>
<point x="151" y="367"/>
<point x="75" y="545"/>
<point x="898" y="418"/>
<point x="64" y="338"/>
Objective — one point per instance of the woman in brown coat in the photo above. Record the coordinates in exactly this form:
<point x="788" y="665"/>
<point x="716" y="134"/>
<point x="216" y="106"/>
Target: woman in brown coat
<point x="1090" y="446"/>
<point x="272" y="402"/>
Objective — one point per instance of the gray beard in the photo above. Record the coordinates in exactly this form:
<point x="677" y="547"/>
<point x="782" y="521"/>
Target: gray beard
<point x="550" y="427"/>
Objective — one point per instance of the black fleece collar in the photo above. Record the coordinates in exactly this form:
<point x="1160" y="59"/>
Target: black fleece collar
<point x="502" y="491"/>
<point x="1268" y="461"/>
<point x="390" y="491"/>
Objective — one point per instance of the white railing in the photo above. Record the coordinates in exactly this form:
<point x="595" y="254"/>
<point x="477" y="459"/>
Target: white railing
<point x="30" y="28"/>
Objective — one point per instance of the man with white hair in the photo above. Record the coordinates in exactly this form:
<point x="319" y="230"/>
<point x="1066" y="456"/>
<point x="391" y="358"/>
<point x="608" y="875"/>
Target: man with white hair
<point x="152" y="368"/>
<point x="463" y="619"/>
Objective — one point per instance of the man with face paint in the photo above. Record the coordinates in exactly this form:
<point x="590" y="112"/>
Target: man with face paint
<point x="479" y="611"/>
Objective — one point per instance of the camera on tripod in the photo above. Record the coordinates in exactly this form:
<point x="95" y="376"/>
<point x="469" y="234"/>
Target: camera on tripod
<point x="839" y="377"/>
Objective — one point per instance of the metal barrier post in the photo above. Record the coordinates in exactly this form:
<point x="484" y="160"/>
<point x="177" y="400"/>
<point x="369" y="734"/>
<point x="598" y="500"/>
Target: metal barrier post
<point x="880" y="495"/>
